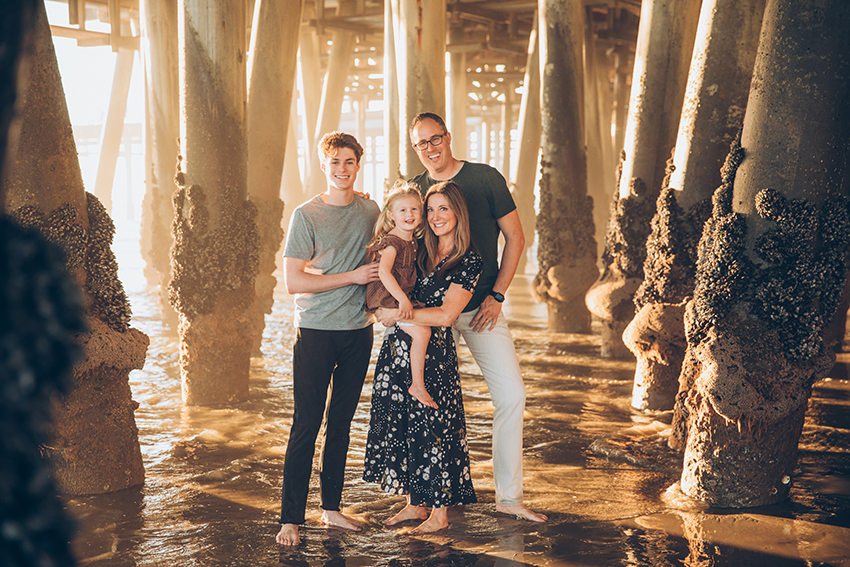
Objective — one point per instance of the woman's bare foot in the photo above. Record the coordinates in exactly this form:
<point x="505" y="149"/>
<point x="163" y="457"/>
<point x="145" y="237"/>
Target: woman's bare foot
<point x="337" y="519"/>
<point x="438" y="520"/>
<point x="421" y="394"/>
<point x="522" y="512"/>
<point x="288" y="535"/>
<point x="408" y="513"/>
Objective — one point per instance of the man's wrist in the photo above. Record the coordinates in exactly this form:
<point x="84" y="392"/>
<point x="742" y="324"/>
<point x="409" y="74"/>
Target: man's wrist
<point x="497" y="296"/>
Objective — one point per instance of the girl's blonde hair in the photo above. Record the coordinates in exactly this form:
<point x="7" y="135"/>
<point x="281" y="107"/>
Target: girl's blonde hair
<point x="384" y="224"/>
<point x="463" y="240"/>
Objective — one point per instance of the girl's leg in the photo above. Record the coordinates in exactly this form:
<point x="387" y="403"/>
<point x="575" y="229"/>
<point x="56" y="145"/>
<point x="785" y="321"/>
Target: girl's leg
<point x="439" y="520"/>
<point x="418" y="348"/>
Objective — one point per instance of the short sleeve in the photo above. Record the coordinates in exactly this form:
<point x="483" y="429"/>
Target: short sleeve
<point x="467" y="271"/>
<point x="388" y="240"/>
<point x="300" y="240"/>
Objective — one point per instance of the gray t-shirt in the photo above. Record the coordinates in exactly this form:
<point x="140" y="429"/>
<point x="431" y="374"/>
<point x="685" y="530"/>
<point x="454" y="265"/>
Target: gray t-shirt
<point x="332" y="240"/>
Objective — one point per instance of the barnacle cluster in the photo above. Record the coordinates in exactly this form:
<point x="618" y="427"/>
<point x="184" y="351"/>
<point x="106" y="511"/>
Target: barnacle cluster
<point x="41" y="313"/>
<point x="797" y="288"/>
<point x="800" y="286"/>
<point x="60" y="228"/>
<point x="625" y="237"/>
<point x="723" y="269"/>
<point x="110" y="302"/>
<point x="86" y="248"/>
<point x="205" y="261"/>
<point x="671" y="251"/>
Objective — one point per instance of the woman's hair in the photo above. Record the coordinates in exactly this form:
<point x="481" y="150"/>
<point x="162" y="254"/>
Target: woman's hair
<point x="384" y="224"/>
<point x="463" y="240"/>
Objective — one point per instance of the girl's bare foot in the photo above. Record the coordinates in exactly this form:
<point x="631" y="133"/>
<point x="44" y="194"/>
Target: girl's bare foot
<point x="421" y="394"/>
<point x="522" y="512"/>
<point x="288" y="535"/>
<point x="437" y="521"/>
<point x="337" y="519"/>
<point x="408" y="513"/>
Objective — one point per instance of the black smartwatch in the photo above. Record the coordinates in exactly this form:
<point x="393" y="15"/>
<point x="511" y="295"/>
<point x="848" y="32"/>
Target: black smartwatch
<point x="498" y="296"/>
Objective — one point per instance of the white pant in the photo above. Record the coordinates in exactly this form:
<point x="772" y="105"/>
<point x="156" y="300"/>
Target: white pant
<point x="495" y="354"/>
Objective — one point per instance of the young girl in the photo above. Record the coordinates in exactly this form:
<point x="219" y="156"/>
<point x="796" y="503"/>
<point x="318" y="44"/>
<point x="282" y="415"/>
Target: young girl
<point x="395" y="242"/>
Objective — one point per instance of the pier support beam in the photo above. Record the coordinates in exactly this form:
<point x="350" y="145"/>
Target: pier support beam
<point x="95" y="445"/>
<point x="215" y="254"/>
<point x="273" y="64"/>
<point x="566" y="247"/>
<point x="772" y="263"/>
<point x="713" y="112"/>
<point x="663" y="53"/>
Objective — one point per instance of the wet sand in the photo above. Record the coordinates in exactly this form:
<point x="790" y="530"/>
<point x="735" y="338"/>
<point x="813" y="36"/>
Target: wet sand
<point x="601" y="471"/>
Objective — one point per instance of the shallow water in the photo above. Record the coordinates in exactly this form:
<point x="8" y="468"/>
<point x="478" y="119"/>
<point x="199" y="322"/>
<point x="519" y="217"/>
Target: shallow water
<point x="600" y="470"/>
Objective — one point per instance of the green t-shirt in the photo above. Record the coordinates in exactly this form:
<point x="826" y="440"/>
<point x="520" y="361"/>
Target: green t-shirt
<point x="488" y="199"/>
<point x="332" y="240"/>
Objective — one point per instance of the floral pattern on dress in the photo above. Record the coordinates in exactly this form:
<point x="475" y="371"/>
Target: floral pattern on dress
<point x="411" y="448"/>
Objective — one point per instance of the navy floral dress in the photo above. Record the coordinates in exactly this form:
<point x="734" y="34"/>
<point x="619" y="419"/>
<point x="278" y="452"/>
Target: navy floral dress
<point x="411" y="448"/>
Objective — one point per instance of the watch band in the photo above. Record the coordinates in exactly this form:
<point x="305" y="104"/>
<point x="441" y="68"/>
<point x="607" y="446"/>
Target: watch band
<point x="497" y="296"/>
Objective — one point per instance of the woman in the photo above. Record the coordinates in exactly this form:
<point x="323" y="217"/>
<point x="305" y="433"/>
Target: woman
<point x="413" y="449"/>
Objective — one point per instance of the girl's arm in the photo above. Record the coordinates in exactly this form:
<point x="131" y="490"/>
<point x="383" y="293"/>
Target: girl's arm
<point x="385" y="273"/>
<point x="443" y="316"/>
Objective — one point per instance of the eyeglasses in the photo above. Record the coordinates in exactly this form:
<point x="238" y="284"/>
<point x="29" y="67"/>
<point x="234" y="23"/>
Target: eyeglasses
<point x="434" y="141"/>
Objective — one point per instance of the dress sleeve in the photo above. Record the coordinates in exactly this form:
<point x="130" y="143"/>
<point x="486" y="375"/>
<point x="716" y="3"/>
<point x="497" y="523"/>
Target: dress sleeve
<point x="467" y="271"/>
<point x="387" y="240"/>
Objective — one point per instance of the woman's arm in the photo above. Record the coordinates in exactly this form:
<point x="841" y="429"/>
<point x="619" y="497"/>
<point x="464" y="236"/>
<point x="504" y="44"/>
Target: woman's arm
<point x="443" y="316"/>
<point x="385" y="273"/>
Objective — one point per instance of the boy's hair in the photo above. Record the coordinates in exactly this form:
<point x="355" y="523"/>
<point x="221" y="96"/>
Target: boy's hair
<point x="425" y="116"/>
<point x="384" y="224"/>
<point x="463" y="240"/>
<point x="336" y="140"/>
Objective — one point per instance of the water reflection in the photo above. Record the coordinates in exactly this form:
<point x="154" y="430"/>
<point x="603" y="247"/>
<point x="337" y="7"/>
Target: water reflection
<point x="602" y="472"/>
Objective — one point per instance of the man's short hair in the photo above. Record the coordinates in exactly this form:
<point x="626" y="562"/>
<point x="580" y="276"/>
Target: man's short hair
<point x="333" y="141"/>
<point x="425" y="116"/>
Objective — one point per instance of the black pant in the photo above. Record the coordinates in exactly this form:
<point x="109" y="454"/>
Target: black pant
<point x="319" y="359"/>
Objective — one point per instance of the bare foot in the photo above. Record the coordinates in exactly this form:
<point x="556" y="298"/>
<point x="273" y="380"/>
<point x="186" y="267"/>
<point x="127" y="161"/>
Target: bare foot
<point x="408" y="513"/>
<point x="337" y="519"/>
<point x="437" y="521"/>
<point x="288" y="535"/>
<point x="421" y="394"/>
<point x="522" y="512"/>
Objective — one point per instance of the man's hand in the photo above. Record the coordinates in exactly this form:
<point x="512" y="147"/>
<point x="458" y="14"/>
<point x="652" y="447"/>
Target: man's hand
<point x="387" y="317"/>
<point x="486" y="317"/>
<point x="366" y="273"/>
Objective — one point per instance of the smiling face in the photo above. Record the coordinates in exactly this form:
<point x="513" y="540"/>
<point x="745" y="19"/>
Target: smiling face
<point x="341" y="169"/>
<point x="406" y="213"/>
<point x="436" y="159"/>
<point x="441" y="218"/>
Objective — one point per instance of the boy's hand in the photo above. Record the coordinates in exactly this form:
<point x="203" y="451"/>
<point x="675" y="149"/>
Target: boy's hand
<point x="366" y="273"/>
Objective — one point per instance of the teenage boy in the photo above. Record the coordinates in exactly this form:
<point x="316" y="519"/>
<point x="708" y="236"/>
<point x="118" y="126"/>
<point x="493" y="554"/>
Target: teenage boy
<point x="484" y="328"/>
<point x="326" y="268"/>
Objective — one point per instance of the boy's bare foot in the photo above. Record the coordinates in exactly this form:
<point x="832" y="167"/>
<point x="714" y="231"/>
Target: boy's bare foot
<point x="436" y="522"/>
<point x="288" y="535"/>
<point x="337" y="519"/>
<point x="408" y="513"/>
<point x="522" y="512"/>
<point x="421" y="394"/>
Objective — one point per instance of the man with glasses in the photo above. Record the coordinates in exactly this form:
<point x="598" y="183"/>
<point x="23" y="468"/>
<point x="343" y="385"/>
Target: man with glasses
<point x="482" y="324"/>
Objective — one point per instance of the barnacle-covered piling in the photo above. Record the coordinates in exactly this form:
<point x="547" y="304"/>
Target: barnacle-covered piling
<point x="566" y="253"/>
<point x="772" y="263"/>
<point x="94" y="446"/>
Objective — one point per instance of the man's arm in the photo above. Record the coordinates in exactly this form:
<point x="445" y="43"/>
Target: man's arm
<point x="298" y="280"/>
<point x="511" y="227"/>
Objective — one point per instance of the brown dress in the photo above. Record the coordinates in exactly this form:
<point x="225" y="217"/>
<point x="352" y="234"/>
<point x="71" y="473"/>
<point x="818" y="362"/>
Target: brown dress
<point x="404" y="272"/>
